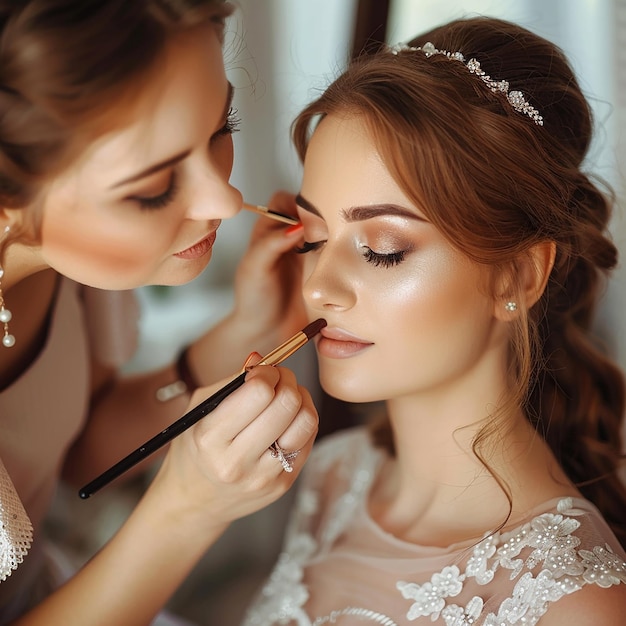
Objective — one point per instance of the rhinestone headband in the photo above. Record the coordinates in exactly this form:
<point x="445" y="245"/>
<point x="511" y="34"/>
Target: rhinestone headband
<point x="515" y="98"/>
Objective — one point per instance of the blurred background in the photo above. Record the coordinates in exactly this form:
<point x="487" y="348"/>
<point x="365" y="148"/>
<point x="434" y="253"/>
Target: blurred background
<point x="279" y="54"/>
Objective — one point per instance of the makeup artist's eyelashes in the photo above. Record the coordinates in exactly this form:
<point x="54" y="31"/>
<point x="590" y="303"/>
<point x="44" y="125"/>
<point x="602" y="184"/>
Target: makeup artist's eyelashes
<point x="161" y="200"/>
<point x="378" y="259"/>
<point x="233" y="121"/>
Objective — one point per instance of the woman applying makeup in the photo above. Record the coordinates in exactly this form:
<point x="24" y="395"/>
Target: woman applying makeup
<point x="115" y="155"/>
<point x="456" y="249"/>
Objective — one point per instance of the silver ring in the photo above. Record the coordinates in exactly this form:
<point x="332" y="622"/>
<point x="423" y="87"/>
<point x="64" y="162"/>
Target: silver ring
<point x="283" y="456"/>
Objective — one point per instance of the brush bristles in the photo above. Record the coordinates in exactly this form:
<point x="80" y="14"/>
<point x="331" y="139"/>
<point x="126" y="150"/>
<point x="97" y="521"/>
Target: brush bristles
<point x="314" y="327"/>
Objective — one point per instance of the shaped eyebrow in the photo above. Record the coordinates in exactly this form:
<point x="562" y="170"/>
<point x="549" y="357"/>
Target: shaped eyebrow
<point x="177" y="157"/>
<point x="362" y="213"/>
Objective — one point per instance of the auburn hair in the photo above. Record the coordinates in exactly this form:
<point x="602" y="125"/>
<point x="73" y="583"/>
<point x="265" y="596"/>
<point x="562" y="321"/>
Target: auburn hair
<point x="496" y="184"/>
<point x="69" y="69"/>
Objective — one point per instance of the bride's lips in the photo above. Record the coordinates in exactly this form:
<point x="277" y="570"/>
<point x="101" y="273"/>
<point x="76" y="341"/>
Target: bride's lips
<point x="336" y="343"/>
<point x="198" y="249"/>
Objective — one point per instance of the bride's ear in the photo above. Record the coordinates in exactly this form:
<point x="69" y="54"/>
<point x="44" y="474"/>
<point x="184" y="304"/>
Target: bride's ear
<point x="533" y="272"/>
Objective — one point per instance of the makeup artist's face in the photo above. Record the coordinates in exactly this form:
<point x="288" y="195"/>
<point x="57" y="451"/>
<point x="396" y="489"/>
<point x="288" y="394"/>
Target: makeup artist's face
<point x="143" y="203"/>
<point x="407" y="313"/>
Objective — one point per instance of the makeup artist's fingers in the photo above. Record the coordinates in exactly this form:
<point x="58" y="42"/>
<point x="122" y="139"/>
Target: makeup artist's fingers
<point x="290" y="417"/>
<point x="267" y="245"/>
<point x="222" y="466"/>
<point x="271" y="464"/>
<point x="257" y="413"/>
<point x="268" y="282"/>
<point x="272" y="402"/>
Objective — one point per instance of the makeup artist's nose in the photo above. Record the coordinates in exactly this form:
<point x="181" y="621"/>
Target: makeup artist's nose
<point x="327" y="287"/>
<point x="211" y="196"/>
<point x="214" y="199"/>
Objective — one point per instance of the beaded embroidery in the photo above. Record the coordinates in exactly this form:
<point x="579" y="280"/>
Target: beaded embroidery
<point x="543" y="558"/>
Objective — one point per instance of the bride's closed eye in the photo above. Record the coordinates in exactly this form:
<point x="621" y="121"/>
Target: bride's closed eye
<point x="388" y="259"/>
<point x="308" y="246"/>
<point x="378" y="259"/>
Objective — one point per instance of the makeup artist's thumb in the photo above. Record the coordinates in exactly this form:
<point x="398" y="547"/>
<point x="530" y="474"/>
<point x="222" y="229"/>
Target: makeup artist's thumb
<point x="252" y="360"/>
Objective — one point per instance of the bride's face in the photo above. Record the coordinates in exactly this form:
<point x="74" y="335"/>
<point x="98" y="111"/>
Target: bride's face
<point x="143" y="204"/>
<point x="407" y="313"/>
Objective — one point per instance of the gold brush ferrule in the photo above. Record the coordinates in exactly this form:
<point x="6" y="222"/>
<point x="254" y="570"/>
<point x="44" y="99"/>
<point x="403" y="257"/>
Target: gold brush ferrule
<point x="285" y="350"/>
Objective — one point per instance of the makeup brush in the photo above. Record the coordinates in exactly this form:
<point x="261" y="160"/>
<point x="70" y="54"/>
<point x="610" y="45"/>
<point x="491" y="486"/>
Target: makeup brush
<point x="276" y="356"/>
<point x="263" y="210"/>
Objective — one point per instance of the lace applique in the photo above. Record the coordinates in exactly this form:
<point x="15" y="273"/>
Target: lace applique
<point x="345" y="507"/>
<point x="284" y="596"/>
<point x="564" y="569"/>
<point x="429" y="597"/>
<point x="543" y="557"/>
<point x="454" y="615"/>
<point x="529" y="600"/>
<point x="477" y="565"/>
<point x="603" y="567"/>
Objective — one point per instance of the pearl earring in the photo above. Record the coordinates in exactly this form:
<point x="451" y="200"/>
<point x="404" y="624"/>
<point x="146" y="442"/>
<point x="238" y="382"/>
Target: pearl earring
<point x="5" y="317"/>
<point x="8" y="340"/>
<point x="511" y="306"/>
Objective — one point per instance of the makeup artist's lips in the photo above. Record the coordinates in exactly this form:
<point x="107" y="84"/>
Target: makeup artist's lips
<point x="198" y="249"/>
<point x="336" y="343"/>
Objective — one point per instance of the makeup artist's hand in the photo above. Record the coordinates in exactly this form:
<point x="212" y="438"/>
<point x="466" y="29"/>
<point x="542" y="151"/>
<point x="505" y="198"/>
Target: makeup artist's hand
<point x="268" y="305"/>
<point x="268" y="279"/>
<point x="222" y="468"/>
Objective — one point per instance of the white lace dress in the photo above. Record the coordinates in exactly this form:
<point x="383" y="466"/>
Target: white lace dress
<point x="339" y="567"/>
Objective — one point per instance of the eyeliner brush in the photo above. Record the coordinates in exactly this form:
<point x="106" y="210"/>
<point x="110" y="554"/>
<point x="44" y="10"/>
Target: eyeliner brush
<point x="263" y="210"/>
<point x="275" y="357"/>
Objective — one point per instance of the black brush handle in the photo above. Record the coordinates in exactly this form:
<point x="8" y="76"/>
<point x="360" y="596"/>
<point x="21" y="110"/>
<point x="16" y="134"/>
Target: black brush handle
<point x="165" y="436"/>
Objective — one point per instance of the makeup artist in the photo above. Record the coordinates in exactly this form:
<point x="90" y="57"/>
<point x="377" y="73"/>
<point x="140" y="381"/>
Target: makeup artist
<point x="115" y="156"/>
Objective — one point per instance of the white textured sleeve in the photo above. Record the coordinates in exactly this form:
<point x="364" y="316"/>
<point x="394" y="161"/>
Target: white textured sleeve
<point x="16" y="530"/>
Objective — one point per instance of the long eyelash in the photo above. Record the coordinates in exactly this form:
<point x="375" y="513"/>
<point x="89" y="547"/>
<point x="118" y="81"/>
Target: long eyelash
<point x="384" y="260"/>
<point x="308" y="246"/>
<point x="233" y="121"/>
<point x="160" y="201"/>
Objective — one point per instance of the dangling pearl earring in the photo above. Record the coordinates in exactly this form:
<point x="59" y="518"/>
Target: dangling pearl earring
<point x="8" y="340"/>
<point x="511" y="306"/>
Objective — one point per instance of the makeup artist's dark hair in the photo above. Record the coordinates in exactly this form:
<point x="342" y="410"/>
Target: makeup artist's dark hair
<point x="68" y="70"/>
<point x="496" y="184"/>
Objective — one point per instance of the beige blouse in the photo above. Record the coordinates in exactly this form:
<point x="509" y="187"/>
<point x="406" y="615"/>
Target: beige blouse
<point x="339" y="567"/>
<point x="41" y="413"/>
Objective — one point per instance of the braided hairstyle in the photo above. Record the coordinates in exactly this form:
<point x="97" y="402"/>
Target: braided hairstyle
<point x="496" y="184"/>
<point x="69" y="70"/>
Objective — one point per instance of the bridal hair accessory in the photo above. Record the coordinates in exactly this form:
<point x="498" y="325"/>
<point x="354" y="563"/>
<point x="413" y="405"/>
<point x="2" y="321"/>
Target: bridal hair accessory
<point x="515" y="98"/>
<point x="8" y="340"/>
<point x="283" y="456"/>
<point x="511" y="306"/>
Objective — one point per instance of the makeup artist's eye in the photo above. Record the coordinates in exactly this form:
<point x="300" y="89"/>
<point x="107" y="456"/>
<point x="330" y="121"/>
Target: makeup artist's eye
<point x="383" y="260"/>
<point x="308" y="246"/>
<point x="159" y="201"/>
<point x="232" y="124"/>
